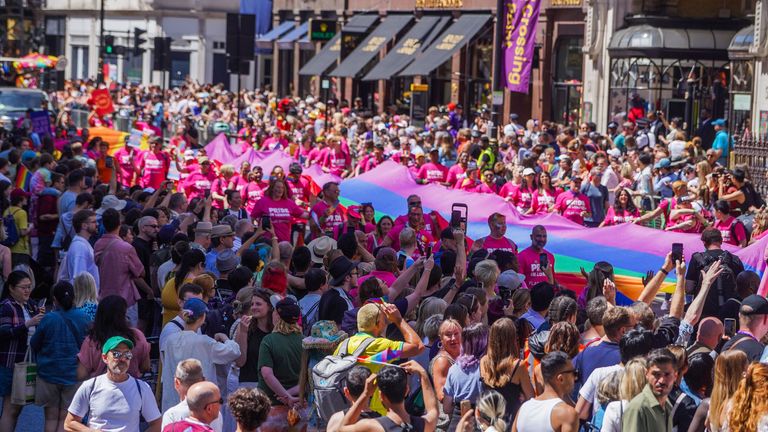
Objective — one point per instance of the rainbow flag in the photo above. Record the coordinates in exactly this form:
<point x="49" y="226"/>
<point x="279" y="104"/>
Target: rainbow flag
<point x="23" y="176"/>
<point x="385" y="357"/>
<point x="631" y="249"/>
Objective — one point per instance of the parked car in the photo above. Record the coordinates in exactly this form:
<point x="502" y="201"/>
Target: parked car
<point x="14" y="103"/>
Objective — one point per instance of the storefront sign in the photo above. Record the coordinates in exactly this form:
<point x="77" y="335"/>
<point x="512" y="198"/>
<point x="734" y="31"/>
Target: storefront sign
<point x="409" y="46"/>
<point x="449" y="42"/>
<point x="439" y="4"/>
<point x="742" y="102"/>
<point x="321" y="29"/>
<point x="374" y="44"/>
<point x="570" y="3"/>
<point x="520" y="20"/>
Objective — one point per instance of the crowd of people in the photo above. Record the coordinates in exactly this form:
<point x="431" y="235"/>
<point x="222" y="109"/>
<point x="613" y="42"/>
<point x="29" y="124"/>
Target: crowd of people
<point x="159" y="289"/>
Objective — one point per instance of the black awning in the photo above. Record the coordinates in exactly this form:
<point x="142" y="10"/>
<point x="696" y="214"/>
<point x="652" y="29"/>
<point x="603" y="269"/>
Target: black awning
<point x="330" y="53"/>
<point x="265" y="41"/>
<point x="418" y="37"/>
<point x="452" y="40"/>
<point x="370" y="47"/>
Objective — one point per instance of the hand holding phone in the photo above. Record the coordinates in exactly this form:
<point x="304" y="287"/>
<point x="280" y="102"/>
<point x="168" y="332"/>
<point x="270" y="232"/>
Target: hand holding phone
<point x="266" y="223"/>
<point x="729" y="327"/>
<point x="466" y="406"/>
<point x="543" y="261"/>
<point x="677" y="252"/>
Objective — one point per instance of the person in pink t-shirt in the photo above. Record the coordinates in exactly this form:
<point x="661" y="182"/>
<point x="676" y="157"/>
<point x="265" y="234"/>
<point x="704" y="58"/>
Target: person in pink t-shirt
<point x="126" y="159"/>
<point x="199" y="183"/>
<point x="457" y="172"/>
<point x="488" y="186"/>
<point x="544" y="198"/>
<point x="280" y="209"/>
<point x="154" y="165"/>
<point x="241" y="179"/>
<point x="221" y="184"/>
<point x="433" y="171"/>
<point x="623" y="210"/>
<point x="510" y="188"/>
<point x="317" y="154"/>
<point x="573" y="204"/>
<point x="732" y="229"/>
<point x="327" y="213"/>
<point x="298" y="186"/>
<point x="336" y="161"/>
<point x="530" y="260"/>
<point x="416" y="222"/>
<point x="497" y="223"/>
<point x="252" y="192"/>
<point x="522" y="198"/>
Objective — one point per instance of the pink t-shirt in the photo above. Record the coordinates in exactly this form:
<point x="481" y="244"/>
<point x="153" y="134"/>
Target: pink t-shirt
<point x="317" y="154"/>
<point x="529" y="264"/>
<point x="491" y="244"/>
<point x="251" y="193"/>
<point x="432" y="173"/>
<point x="280" y="212"/>
<point x="298" y="189"/>
<point x="487" y="189"/>
<point x="423" y="238"/>
<point x="728" y="233"/>
<point x="335" y="218"/>
<point x="508" y="191"/>
<point x="336" y="161"/>
<point x="571" y="205"/>
<point x="542" y="200"/>
<point x="616" y="217"/>
<point x="154" y="169"/>
<point x="219" y="185"/>
<point x="197" y="183"/>
<point x="126" y="174"/>
<point x="456" y="173"/>
<point x="522" y="198"/>
<point x="402" y="220"/>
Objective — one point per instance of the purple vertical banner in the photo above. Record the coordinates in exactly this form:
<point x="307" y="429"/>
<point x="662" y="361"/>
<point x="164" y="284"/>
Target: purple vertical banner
<point x="520" y="20"/>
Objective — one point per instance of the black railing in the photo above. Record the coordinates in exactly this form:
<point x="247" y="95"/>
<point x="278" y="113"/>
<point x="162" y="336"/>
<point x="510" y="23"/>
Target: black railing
<point x="754" y="154"/>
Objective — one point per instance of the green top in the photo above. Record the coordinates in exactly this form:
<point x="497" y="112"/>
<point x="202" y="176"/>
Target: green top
<point x="282" y="353"/>
<point x="644" y="413"/>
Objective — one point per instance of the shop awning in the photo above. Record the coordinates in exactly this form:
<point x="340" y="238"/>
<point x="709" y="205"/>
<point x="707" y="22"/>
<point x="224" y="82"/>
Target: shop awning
<point x="645" y="40"/>
<point x="408" y="47"/>
<point x="330" y="53"/>
<point x="265" y="41"/>
<point x="370" y="47"/>
<point x="741" y="43"/>
<point x="448" y="43"/>
<point x="287" y="41"/>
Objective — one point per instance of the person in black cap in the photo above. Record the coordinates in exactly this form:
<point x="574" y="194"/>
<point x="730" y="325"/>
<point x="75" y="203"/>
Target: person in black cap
<point x="337" y="299"/>
<point x="298" y="187"/>
<point x="753" y="324"/>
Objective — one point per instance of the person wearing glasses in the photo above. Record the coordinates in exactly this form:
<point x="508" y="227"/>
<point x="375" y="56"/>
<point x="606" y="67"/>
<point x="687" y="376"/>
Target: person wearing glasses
<point x="79" y="257"/>
<point x="204" y="402"/>
<point x="549" y="411"/>
<point x="115" y="400"/>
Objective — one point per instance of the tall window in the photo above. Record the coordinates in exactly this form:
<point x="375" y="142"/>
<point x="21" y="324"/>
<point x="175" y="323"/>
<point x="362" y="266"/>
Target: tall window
<point x="79" y="62"/>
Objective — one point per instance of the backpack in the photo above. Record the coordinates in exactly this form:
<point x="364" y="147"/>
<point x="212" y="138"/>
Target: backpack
<point x="732" y="229"/>
<point x="11" y="230"/>
<point x="329" y="377"/>
<point x="724" y="287"/>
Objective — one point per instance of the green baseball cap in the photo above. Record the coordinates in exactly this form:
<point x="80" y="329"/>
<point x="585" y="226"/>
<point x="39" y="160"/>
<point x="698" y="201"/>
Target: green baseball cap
<point x="113" y="342"/>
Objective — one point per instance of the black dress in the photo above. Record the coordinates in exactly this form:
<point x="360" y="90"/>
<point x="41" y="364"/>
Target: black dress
<point x="511" y="393"/>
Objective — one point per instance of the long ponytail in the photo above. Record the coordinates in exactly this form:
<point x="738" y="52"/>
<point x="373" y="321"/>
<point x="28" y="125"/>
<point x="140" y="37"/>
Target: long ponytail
<point x="492" y="407"/>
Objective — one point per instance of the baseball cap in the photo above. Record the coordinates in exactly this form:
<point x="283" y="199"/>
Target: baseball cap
<point x="664" y="163"/>
<point x="288" y="310"/>
<point x="510" y="279"/>
<point x="294" y="168"/>
<point x="718" y="122"/>
<point x="757" y="304"/>
<point x="18" y="193"/>
<point x="113" y="342"/>
<point x="195" y="308"/>
<point x="529" y="171"/>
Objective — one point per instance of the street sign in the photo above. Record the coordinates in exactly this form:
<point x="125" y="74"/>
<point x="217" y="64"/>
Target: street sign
<point x="325" y="84"/>
<point x="321" y="29"/>
<point x="498" y="97"/>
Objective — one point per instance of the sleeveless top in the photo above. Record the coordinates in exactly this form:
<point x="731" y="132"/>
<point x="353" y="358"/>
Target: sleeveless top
<point x="416" y="425"/>
<point x="511" y="393"/>
<point x="536" y="416"/>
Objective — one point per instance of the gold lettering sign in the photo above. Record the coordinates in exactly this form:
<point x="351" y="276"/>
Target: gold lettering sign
<point x="336" y="45"/>
<point x="565" y="3"/>
<point x="439" y="4"/>
<point x="409" y="46"/>
<point x="449" y="42"/>
<point x="374" y="44"/>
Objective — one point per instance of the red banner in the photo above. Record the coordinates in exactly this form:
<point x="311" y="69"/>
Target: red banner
<point x="102" y="102"/>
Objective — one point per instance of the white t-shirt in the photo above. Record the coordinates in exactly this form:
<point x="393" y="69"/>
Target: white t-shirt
<point x="589" y="390"/>
<point x="181" y="411"/>
<point x="113" y="406"/>
<point x="613" y="416"/>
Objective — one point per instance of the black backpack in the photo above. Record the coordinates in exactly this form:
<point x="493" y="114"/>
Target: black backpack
<point x="724" y="287"/>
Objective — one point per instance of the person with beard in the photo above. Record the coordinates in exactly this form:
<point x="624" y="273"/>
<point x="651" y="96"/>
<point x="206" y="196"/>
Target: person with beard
<point x="110" y="401"/>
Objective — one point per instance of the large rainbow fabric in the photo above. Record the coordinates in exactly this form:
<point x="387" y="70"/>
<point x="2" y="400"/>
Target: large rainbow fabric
<point x="631" y="249"/>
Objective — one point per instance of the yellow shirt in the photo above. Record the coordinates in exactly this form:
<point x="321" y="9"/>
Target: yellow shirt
<point x="389" y="349"/>
<point x="20" y="216"/>
<point x="170" y="299"/>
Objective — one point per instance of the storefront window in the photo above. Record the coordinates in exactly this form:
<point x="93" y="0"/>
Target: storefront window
<point x="567" y="91"/>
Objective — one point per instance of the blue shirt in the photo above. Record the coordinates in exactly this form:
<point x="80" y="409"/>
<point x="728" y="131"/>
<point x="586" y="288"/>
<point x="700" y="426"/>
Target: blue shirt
<point x="534" y="318"/>
<point x="596" y="356"/>
<point x="210" y="262"/>
<point x="722" y="142"/>
<point x="463" y="384"/>
<point x="57" y="347"/>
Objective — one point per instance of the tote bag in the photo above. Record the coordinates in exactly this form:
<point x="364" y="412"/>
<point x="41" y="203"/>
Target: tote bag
<point x="24" y="378"/>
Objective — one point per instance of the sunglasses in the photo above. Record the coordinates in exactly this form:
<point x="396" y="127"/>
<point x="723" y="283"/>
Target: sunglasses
<point x="220" y="402"/>
<point x="122" y="355"/>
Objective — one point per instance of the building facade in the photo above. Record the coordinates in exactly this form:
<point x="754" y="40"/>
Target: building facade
<point x="198" y="31"/>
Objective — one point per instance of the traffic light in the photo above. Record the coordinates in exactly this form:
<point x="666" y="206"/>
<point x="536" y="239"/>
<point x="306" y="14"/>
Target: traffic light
<point x="109" y="44"/>
<point x="138" y="41"/>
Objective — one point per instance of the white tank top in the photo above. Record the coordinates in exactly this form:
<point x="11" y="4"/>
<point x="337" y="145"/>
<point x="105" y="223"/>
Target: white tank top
<point x="536" y="416"/>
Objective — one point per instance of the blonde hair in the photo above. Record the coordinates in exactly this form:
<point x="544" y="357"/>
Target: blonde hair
<point x="729" y="367"/>
<point x="609" y="388"/>
<point x="85" y="289"/>
<point x="633" y="380"/>
<point x="227" y="169"/>
<point x="750" y="402"/>
<point x="243" y="301"/>
<point x="486" y="272"/>
<point x="626" y="170"/>
<point x="207" y="283"/>
<point x="282" y="327"/>
<point x="492" y="407"/>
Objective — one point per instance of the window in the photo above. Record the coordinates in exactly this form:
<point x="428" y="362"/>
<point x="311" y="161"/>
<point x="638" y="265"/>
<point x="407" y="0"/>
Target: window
<point x="79" y="62"/>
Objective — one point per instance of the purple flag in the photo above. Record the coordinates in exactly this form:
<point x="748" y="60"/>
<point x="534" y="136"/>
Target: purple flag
<point x="520" y="20"/>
